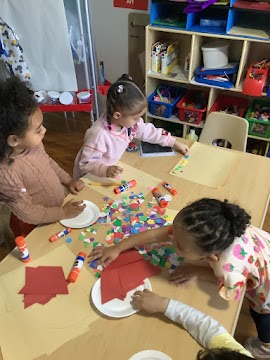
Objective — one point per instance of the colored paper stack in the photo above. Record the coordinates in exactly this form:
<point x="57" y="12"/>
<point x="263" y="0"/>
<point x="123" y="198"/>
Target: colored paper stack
<point x="126" y="273"/>
<point x="42" y="284"/>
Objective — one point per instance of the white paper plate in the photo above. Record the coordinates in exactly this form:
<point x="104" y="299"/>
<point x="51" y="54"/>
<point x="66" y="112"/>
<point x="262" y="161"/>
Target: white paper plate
<point x="89" y="215"/>
<point x="150" y="355"/>
<point x="116" y="308"/>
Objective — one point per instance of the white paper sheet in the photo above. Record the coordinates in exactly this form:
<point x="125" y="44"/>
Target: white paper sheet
<point x="43" y="34"/>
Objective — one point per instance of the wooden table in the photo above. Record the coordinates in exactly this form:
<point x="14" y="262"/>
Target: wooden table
<point x="247" y="184"/>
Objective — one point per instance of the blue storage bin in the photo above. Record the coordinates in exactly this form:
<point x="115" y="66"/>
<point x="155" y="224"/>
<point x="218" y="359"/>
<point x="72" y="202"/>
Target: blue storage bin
<point x="163" y="109"/>
<point x="170" y="14"/>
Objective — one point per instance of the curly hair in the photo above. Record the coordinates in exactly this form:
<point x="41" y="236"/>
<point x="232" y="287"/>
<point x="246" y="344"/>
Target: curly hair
<point x="213" y="224"/>
<point x="17" y="103"/>
<point x="126" y="97"/>
<point x="221" y="354"/>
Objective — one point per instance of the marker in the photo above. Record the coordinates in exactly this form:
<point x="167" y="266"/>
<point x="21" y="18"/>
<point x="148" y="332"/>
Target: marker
<point x="78" y="264"/>
<point x="125" y="187"/>
<point x="21" y="245"/>
<point x="169" y="188"/>
<point x="60" y="234"/>
<point x="160" y="199"/>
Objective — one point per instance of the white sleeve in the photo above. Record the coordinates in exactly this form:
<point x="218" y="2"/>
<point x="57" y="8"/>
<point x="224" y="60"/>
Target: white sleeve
<point x="201" y="326"/>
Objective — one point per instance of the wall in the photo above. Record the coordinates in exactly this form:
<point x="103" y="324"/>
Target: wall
<point x="110" y="29"/>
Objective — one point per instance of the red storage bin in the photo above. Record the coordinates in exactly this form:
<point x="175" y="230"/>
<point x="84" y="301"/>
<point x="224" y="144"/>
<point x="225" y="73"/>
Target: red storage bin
<point x="192" y="106"/>
<point x="231" y="105"/>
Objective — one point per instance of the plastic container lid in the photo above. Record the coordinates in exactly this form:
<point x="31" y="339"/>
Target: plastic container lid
<point x="20" y="241"/>
<point x="83" y="95"/>
<point x="54" y="94"/>
<point x="66" y="98"/>
<point x="215" y="45"/>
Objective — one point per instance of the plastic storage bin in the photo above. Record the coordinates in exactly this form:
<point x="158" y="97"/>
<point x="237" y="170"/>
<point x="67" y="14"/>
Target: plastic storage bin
<point x="163" y="109"/>
<point x="190" y="113"/>
<point x="258" y="116"/>
<point x="215" y="54"/>
<point x="230" y="105"/>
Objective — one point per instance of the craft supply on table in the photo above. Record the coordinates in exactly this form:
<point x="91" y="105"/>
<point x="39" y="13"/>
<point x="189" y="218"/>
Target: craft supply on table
<point x="57" y="328"/>
<point x="206" y="165"/>
<point x="159" y="197"/>
<point x="125" y="187"/>
<point x="60" y="234"/>
<point x="21" y="245"/>
<point x="169" y="188"/>
<point x="89" y="216"/>
<point x="76" y="268"/>
<point x="192" y="135"/>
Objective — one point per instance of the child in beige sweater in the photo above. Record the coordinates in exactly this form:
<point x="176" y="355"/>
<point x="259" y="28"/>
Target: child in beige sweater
<point x="24" y="164"/>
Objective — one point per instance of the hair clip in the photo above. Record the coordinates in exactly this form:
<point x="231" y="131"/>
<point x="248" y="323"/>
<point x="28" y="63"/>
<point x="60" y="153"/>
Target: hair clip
<point x="120" y="89"/>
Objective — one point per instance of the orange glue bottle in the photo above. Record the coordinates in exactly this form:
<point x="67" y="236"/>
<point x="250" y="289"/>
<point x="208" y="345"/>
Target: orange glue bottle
<point x="21" y="245"/>
<point x="124" y="187"/>
<point x="160" y="199"/>
<point x="78" y="264"/>
<point x="169" y="188"/>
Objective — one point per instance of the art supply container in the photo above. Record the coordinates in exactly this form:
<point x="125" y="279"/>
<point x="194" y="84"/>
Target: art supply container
<point x="53" y="97"/>
<point x="215" y="54"/>
<point x="66" y="98"/>
<point x="41" y="97"/>
<point x="84" y="97"/>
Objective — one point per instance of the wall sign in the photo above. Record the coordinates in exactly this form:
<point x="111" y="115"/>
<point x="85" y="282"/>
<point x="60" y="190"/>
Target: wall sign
<point x="131" y="4"/>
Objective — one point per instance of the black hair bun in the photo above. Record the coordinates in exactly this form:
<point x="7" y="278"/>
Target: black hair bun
<point x="237" y="216"/>
<point x="125" y="77"/>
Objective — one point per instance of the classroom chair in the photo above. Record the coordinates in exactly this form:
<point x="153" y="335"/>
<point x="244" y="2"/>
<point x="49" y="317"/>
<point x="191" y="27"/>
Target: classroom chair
<point x="230" y="128"/>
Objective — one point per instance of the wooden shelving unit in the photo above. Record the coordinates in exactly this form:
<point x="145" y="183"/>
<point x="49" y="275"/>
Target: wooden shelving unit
<point x="242" y="50"/>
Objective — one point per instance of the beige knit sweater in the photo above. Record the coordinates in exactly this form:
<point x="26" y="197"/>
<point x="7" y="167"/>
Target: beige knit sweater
<point x="42" y="178"/>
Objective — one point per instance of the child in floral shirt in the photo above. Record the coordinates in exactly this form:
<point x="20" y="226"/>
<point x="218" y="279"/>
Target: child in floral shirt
<point x="237" y="253"/>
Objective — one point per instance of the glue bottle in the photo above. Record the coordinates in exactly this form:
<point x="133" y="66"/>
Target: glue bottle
<point x="21" y="245"/>
<point x="78" y="264"/>
<point x="192" y="135"/>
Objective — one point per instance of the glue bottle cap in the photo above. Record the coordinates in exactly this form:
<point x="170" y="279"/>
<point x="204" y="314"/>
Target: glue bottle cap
<point x="20" y="241"/>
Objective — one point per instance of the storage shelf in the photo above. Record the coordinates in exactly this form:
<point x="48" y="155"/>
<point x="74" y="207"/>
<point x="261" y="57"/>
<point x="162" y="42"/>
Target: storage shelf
<point x="210" y="35"/>
<point x="174" y="119"/>
<point x="258" y="138"/>
<point x="178" y="74"/>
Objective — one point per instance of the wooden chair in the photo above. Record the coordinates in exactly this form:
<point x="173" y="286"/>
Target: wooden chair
<point x="230" y="128"/>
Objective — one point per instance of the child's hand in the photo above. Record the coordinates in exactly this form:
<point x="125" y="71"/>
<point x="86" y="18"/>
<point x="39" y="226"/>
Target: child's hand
<point x="184" y="274"/>
<point x="105" y="255"/>
<point x="113" y="171"/>
<point x="72" y="209"/>
<point x="75" y="186"/>
<point x="180" y="147"/>
<point x="150" y="302"/>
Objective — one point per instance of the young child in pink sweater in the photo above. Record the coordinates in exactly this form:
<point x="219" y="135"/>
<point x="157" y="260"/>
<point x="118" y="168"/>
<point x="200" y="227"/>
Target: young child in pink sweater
<point x="25" y="165"/>
<point x="106" y="140"/>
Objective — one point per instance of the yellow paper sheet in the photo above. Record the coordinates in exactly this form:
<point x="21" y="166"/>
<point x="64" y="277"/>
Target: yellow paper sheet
<point x="28" y="333"/>
<point x="206" y="165"/>
<point x="144" y="181"/>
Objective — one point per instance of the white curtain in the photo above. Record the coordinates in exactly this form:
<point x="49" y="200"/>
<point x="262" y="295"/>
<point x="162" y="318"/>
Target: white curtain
<point x="43" y="34"/>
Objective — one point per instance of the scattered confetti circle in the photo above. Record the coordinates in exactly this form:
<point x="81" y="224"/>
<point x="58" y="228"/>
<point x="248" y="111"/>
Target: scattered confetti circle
<point x="69" y="240"/>
<point x="168" y="198"/>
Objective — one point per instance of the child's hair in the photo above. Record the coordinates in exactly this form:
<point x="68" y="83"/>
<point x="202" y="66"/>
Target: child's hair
<point x="126" y="97"/>
<point x="17" y="103"/>
<point x="213" y="223"/>
<point x="221" y="354"/>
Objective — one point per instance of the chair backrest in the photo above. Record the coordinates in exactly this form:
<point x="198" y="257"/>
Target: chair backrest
<point x="232" y="128"/>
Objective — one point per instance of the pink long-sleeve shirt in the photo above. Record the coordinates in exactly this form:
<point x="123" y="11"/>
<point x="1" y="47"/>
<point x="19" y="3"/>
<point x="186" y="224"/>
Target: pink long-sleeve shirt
<point x="103" y="147"/>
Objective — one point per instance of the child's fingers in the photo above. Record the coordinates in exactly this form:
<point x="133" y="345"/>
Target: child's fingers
<point x="138" y="293"/>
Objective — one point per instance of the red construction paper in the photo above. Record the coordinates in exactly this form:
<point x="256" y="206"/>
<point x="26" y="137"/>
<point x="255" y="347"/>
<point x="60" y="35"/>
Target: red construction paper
<point x="110" y="286"/>
<point x="30" y="299"/>
<point x="131" y="4"/>
<point x="124" y="274"/>
<point x="126" y="257"/>
<point x="45" y="280"/>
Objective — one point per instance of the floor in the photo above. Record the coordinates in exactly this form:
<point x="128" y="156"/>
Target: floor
<point x="63" y="146"/>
